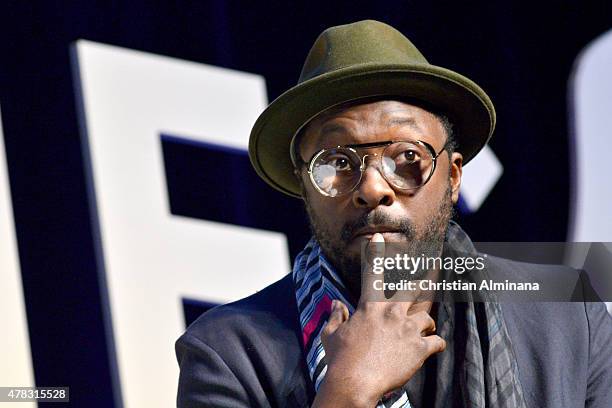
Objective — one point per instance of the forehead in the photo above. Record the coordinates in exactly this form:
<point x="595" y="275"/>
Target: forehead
<point x="371" y="122"/>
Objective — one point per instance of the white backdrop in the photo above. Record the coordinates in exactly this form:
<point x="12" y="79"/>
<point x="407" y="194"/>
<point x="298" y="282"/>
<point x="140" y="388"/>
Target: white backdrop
<point x="15" y="360"/>
<point x="152" y="258"/>
<point x="590" y="102"/>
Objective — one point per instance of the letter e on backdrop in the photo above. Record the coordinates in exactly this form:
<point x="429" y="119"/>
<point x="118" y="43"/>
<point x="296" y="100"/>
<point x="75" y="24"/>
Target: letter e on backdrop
<point x="149" y="259"/>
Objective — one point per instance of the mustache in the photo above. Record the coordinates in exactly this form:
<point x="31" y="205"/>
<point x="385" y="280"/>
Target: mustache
<point x="378" y="218"/>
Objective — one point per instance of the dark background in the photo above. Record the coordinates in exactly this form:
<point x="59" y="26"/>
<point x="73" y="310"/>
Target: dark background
<point x="521" y="53"/>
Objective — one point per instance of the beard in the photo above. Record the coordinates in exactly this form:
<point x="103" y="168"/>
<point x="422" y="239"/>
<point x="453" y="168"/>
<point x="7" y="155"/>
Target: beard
<point x="428" y="241"/>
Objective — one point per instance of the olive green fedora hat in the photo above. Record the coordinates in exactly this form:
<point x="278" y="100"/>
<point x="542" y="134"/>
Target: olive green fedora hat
<point x="363" y="60"/>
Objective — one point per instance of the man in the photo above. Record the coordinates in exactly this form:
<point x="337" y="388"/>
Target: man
<point x="373" y="139"/>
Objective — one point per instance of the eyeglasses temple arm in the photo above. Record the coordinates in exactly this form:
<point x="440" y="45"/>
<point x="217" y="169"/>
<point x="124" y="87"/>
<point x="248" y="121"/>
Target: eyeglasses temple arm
<point x="441" y="150"/>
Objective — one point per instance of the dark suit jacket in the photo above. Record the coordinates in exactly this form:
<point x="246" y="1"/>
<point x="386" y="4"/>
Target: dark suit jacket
<point x="249" y="354"/>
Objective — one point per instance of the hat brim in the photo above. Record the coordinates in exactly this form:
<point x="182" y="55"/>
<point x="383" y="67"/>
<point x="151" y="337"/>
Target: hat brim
<point x="465" y="103"/>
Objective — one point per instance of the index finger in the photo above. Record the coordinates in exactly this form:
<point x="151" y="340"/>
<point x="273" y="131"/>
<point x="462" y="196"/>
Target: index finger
<point x="372" y="273"/>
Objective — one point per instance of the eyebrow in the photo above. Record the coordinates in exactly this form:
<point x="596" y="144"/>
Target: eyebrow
<point x="403" y="121"/>
<point x="332" y="127"/>
<point x="395" y="121"/>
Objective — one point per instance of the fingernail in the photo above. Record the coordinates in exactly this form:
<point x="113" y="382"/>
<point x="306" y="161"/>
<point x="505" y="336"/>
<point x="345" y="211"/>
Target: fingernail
<point x="333" y="304"/>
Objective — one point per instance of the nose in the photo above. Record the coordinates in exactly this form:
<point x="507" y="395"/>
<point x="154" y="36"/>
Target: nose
<point x="373" y="190"/>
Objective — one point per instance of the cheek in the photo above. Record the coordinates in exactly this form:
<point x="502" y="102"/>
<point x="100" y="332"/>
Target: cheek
<point x="426" y="202"/>
<point x="323" y="210"/>
<point x="326" y="212"/>
<point x="438" y="187"/>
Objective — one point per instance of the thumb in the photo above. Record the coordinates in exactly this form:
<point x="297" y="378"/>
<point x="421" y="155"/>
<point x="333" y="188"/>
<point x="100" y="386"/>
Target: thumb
<point x="339" y="314"/>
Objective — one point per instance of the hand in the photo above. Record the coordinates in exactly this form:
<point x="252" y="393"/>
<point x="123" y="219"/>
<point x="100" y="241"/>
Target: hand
<point x="376" y="350"/>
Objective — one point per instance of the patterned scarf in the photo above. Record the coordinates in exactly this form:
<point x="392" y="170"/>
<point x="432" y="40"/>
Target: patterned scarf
<point x="483" y="374"/>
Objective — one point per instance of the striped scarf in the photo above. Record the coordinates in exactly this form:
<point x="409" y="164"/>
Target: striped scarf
<point x="484" y="374"/>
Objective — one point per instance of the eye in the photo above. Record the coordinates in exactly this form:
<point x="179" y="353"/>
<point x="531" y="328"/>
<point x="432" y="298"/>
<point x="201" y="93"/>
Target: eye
<point x="340" y="163"/>
<point x="408" y="157"/>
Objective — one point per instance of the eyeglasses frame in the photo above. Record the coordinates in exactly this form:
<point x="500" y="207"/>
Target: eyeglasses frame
<point x="363" y="167"/>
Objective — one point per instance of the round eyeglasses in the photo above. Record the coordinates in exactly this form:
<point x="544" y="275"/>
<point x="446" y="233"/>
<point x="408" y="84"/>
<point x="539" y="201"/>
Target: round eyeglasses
<point x="406" y="165"/>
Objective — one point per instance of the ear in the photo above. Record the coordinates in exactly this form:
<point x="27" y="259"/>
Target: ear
<point x="456" y="171"/>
